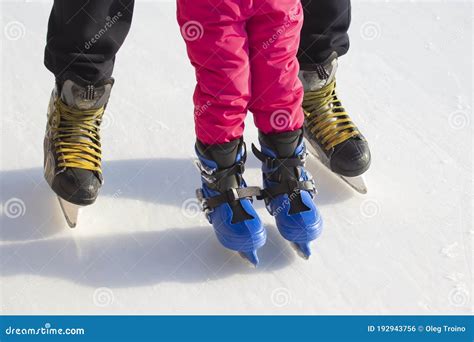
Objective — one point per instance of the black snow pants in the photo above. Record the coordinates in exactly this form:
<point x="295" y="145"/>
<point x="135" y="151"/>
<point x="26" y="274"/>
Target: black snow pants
<point x="85" y="35"/>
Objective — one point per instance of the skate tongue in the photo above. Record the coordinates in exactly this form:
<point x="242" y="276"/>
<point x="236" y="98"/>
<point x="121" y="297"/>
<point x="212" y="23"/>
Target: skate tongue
<point x="321" y="76"/>
<point x="85" y="98"/>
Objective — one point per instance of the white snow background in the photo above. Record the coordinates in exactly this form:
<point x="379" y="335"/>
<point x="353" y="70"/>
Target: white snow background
<point x="143" y="248"/>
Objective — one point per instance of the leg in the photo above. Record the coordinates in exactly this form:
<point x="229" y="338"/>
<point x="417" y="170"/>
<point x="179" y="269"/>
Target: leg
<point x="84" y="36"/>
<point x="332" y="135"/>
<point x="216" y="40"/>
<point x="276" y="104"/>
<point x="324" y="31"/>
<point x="276" y="90"/>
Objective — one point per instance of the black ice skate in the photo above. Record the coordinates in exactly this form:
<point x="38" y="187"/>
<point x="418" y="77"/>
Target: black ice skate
<point x="72" y="148"/>
<point x="333" y="137"/>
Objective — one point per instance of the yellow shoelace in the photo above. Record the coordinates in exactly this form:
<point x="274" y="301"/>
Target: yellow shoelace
<point x="326" y="118"/>
<point x="76" y="137"/>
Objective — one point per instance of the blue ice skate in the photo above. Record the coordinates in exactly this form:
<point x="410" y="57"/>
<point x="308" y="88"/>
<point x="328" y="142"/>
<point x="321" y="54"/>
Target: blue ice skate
<point x="226" y="199"/>
<point x="289" y="189"/>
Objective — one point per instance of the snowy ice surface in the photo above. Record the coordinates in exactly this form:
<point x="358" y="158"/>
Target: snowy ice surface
<point x="404" y="248"/>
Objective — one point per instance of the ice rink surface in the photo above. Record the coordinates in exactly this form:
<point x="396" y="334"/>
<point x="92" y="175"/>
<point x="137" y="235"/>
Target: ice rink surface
<point x="143" y="248"/>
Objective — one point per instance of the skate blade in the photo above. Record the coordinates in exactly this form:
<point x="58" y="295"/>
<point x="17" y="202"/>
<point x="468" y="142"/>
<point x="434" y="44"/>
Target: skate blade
<point x="302" y="250"/>
<point x="356" y="183"/>
<point x="70" y="211"/>
<point x="250" y="257"/>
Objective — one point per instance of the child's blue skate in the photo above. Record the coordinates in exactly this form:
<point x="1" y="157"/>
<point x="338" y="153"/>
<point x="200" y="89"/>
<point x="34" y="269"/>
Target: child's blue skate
<point x="226" y="199"/>
<point x="289" y="189"/>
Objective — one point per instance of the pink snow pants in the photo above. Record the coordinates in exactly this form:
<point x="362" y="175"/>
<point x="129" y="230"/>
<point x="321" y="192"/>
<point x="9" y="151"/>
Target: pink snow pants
<point x="244" y="54"/>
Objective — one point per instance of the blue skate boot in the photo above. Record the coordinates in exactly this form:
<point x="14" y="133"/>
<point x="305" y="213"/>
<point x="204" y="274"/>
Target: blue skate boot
<point x="226" y="199"/>
<point x="289" y="188"/>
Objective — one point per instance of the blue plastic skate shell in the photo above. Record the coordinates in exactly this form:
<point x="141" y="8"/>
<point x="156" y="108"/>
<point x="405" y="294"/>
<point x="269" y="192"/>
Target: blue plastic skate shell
<point x="245" y="237"/>
<point x="299" y="228"/>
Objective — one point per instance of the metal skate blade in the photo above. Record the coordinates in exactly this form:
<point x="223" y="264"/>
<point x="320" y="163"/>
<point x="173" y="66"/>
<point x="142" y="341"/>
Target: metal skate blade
<point x="250" y="257"/>
<point x="302" y="249"/>
<point x="70" y="211"/>
<point x="356" y="183"/>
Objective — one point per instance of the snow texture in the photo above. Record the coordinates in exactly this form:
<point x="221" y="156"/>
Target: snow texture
<point x="143" y="248"/>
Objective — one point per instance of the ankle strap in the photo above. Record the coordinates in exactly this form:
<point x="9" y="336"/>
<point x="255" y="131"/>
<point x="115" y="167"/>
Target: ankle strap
<point x="236" y="169"/>
<point x="229" y="196"/>
<point x="273" y="163"/>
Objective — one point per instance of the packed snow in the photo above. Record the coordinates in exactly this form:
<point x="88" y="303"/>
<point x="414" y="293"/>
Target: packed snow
<point x="144" y="248"/>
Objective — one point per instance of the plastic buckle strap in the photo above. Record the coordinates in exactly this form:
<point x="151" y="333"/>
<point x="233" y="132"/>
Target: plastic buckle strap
<point x="275" y="163"/>
<point x="236" y="194"/>
<point x="249" y="192"/>
<point x="233" y="195"/>
<point x="272" y="192"/>
<point x="238" y="168"/>
<point x="207" y="173"/>
<point x="204" y="205"/>
<point x="308" y="185"/>
<point x="289" y="187"/>
<point x="272" y="163"/>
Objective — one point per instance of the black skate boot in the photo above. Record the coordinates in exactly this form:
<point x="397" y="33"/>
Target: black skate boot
<point x="72" y="148"/>
<point x="332" y="135"/>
